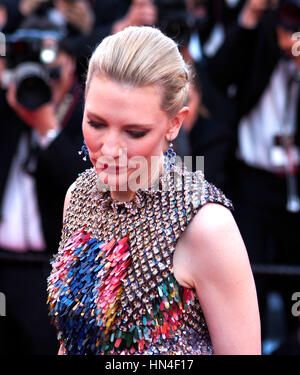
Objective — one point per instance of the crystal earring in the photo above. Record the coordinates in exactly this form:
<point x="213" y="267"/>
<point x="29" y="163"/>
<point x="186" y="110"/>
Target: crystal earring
<point x="84" y="150"/>
<point x="169" y="158"/>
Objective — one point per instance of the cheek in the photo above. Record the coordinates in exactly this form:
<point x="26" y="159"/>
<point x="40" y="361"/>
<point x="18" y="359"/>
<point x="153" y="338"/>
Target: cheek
<point x="151" y="146"/>
<point x="89" y="137"/>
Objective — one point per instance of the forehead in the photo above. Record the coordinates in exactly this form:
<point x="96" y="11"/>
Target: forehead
<point x="110" y="99"/>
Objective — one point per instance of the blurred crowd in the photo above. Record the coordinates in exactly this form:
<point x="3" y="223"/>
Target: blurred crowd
<point x="244" y="120"/>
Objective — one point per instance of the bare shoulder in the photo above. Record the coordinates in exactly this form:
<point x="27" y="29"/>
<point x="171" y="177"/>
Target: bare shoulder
<point x="84" y="180"/>
<point x="213" y="224"/>
<point x="211" y="240"/>
<point x="69" y="191"/>
<point x="211" y="216"/>
<point x="68" y="197"/>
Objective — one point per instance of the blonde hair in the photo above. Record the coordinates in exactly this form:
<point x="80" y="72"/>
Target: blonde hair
<point x="140" y="56"/>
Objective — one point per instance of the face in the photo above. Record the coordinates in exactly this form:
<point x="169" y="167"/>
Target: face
<point x="124" y="128"/>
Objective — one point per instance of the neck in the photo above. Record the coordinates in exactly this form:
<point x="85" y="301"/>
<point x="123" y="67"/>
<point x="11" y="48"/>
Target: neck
<point x="152" y="179"/>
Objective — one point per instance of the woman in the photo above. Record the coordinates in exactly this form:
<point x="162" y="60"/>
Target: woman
<point x="118" y="286"/>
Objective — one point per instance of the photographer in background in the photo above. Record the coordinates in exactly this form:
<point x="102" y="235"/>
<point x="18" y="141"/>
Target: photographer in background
<point x="212" y="20"/>
<point x="110" y="16"/>
<point x="256" y="66"/>
<point x="77" y="15"/>
<point x="41" y="115"/>
<point x="78" y="19"/>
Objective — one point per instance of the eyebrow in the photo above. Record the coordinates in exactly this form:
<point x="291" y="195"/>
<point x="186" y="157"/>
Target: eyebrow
<point x="99" y="118"/>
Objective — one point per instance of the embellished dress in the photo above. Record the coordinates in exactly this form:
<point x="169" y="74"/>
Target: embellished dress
<point x="112" y="288"/>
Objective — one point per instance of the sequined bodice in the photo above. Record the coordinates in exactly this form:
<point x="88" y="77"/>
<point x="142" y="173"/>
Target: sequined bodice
<point x="112" y="288"/>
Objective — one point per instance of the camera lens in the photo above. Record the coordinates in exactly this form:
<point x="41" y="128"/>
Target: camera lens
<point x="32" y="88"/>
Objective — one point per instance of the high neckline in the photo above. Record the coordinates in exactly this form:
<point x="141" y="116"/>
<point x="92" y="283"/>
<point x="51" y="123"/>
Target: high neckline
<point x="102" y="193"/>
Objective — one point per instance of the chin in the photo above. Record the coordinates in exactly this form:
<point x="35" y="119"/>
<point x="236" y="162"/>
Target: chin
<point x="123" y="181"/>
<point x="114" y="182"/>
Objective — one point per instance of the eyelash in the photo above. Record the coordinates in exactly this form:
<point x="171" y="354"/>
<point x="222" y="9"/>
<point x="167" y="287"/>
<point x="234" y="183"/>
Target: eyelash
<point x="132" y="134"/>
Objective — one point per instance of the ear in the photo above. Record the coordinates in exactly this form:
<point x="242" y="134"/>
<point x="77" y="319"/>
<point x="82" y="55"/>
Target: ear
<point x="176" y="122"/>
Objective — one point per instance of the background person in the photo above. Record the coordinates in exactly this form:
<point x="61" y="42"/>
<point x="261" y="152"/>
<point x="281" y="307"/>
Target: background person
<point x="39" y="138"/>
<point x="256" y="60"/>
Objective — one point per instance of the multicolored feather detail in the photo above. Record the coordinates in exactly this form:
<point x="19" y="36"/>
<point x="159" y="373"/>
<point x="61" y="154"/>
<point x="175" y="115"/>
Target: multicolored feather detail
<point x="161" y="322"/>
<point x="84" y="290"/>
<point x="110" y="277"/>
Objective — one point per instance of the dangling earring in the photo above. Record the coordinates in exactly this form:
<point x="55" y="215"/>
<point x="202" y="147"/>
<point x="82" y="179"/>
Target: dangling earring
<point x="84" y="150"/>
<point x="169" y="158"/>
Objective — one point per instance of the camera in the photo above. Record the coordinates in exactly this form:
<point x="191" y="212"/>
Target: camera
<point x="29" y="51"/>
<point x="174" y="20"/>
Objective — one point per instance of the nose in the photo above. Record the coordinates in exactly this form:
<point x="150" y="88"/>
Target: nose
<point x="111" y="145"/>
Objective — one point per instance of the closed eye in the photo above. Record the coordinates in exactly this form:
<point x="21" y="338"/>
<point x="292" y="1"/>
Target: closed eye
<point x="133" y="134"/>
<point x="136" y="134"/>
<point x="95" y="124"/>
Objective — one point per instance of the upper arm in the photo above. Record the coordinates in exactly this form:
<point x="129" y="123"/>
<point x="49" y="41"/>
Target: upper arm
<point x="221" y="274"/>
<point x="68" y="198"/>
